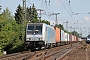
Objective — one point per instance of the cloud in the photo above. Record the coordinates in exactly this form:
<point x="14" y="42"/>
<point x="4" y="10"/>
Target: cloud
<point x="87" y="18"/>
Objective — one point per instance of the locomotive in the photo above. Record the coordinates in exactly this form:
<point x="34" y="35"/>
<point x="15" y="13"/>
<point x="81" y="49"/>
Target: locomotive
<point x="40" y="35"/>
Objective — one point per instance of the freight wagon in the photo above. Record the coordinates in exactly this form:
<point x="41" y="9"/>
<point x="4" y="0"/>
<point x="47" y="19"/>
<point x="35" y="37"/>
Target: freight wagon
<point x="62" y="37"/>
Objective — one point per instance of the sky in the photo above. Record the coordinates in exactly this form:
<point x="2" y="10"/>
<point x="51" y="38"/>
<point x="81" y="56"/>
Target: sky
<point x="76" y="12"/>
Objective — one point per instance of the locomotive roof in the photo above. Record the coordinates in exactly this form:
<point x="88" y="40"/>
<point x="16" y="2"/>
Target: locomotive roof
<point x="35" y="23"/>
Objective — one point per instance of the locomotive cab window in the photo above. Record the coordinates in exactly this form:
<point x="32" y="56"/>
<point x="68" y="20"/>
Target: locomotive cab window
<point x="30" y="27"/>
<point x="34" y="29"/>
<point x="38" y="29"/>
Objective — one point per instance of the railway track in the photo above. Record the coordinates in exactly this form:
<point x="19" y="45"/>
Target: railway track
<point x="17" y="56"/>
<point x="47" y="54"/>
<point x="53" y="53"/>
<point x="60" y="53"/>
<point x="80" y="53"/>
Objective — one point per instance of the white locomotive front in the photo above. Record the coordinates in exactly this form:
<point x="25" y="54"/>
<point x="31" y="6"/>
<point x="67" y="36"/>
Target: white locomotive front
<point x="39" y="35"/>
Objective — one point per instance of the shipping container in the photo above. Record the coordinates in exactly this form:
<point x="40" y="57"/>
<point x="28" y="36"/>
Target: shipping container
<point x="62" y="35"/>
<point x="63" y="38"/>
<point x="76" y="38"/>
<point x="72" y="38"/>
<point x="68" y="38"/>
<point x="57" y="30"/>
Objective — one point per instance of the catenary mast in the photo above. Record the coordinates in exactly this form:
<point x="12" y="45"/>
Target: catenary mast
<point x="24" y="10"/>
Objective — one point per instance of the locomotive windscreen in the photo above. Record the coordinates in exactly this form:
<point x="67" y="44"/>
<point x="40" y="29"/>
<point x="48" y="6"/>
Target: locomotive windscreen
<point x="34" y="29"/>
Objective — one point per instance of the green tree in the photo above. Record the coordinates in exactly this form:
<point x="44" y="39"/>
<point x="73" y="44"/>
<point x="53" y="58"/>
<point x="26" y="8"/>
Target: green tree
<point x="34" y="18"/>
<point x="60" y="26"/>
<point x="28" y="13"/>
<point x="75" y="33"/>
<point x="5" y="28"/>
<point x="31" y="14"/>
<point x="19" y="15"/>
<point x="45" y="21"/>
<point x="9" y="32"/>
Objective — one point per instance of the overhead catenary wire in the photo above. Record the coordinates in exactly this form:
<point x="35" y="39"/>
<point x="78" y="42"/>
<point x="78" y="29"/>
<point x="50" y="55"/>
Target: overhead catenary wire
<point x="69" y="5"/>
<point x="73" y="13"/>
<point x="52" y="11"/>
<point x="43" y="7"/>
<point x="44" y="10"/>
<point x="29" y="2"/>
<point x="68" y="11"/>
<point x="47" y="5"/>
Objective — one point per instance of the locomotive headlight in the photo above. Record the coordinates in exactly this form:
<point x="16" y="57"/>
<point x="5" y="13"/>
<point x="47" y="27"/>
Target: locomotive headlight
<point x="40" y="38"/>
<point x="28" y="38"/>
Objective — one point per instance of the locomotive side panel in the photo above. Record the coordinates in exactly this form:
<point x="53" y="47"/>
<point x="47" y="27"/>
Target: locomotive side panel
<point x="50" y="35"/>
